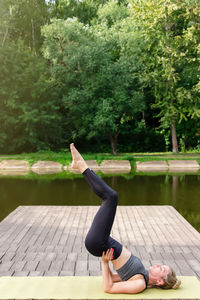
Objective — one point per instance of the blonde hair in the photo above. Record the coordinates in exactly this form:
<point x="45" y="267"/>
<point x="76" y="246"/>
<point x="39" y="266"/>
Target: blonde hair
<point x="171" y="281"/>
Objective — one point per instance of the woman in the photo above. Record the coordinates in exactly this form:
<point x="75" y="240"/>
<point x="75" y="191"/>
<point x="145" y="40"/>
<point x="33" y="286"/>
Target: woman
<point x="131" y="277"/>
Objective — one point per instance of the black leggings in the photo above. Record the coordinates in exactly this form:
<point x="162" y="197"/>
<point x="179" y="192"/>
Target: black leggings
<point x="98" y="238"/>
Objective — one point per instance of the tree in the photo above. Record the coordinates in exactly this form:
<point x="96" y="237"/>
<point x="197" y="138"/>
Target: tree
<point x="27" y="107"/>
<point x="22" y="19"/>
<point x="171" y="31"/>
<point x="85" y="11"/>
<point x="97" y="84"/>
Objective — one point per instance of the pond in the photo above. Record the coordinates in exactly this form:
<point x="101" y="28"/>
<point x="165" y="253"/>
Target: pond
<point x="180" y="191"/>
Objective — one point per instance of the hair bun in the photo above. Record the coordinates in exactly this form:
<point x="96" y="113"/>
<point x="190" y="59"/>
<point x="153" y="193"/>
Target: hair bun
<point x="177" y="284"/>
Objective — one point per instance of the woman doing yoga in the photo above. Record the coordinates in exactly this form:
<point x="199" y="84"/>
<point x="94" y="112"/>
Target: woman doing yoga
<point x="131" y="277"/>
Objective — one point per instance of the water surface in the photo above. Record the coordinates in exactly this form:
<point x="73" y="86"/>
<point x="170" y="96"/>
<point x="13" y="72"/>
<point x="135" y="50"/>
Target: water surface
<point x="180" y="191"/>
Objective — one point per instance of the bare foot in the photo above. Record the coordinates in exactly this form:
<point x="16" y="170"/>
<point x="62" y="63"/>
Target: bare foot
<point x="78" y="162"/>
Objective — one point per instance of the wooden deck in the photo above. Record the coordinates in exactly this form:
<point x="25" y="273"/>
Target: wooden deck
<point x="49" y="240"/>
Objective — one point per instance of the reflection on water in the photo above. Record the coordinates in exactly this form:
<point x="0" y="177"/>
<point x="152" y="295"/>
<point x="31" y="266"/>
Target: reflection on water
<point x="174" y="189"/>
<point x="180" y="191"/>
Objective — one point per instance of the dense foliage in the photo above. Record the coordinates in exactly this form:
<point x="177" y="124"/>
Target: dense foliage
<point x="108" y="75"/>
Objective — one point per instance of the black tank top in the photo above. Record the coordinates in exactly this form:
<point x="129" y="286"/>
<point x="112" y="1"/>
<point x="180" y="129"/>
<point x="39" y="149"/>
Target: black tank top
<point x="133" y="267"/>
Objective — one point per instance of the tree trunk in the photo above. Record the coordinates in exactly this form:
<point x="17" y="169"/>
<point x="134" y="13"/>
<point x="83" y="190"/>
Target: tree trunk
<point x="113" y="141"/>
<point x="169" y="83"/>
<point x="184" y="144"/>
<point x="33" y="35"/>
<point x="174" y="189"/>
<point x="5" y="36"/>
<point x="174" y="138"/>
<point x="143" y="118"/>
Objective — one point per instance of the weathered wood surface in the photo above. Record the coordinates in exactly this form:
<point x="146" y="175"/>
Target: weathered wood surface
<point x="106" y="167"/>
<point x="46" y="167"/>
<point x="183" y="166"/>
<point x="172" y="166"/>
<point x="19" y="167"/>
<point x="14" y="164"/>
<point x="49" y="240"/>
<point x="115" y="166"/>
<point x="159" y="165"/>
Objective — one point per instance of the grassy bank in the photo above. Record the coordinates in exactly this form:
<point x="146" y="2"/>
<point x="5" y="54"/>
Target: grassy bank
<point x="65" y="157"/>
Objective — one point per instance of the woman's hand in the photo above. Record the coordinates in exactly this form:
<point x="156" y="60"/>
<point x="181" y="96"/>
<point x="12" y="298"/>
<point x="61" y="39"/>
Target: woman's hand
<point x="108" y="255"/>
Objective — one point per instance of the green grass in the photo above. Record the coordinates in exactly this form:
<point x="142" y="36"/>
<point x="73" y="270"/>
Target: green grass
<point x="63" y="157"/>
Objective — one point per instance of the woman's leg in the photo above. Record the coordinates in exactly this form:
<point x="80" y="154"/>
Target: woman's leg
<point x="98" y="238"/>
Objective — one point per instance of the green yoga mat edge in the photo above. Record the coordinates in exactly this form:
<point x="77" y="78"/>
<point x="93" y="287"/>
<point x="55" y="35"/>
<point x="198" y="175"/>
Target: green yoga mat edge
<point x="86" y="287"/>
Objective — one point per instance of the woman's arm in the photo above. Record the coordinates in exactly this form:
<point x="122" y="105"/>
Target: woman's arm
<point x="107" y="276"/>
<point x="115" y="277"/>
<point x="125" y="287"/>
<point x="106" y="272"/>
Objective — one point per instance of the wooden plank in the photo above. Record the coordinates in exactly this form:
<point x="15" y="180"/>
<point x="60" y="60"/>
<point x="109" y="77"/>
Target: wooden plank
<point x="50" y="240"/>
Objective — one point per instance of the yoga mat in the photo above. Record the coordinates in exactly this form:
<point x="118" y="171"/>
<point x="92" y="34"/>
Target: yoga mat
<point x="86" y="287"/>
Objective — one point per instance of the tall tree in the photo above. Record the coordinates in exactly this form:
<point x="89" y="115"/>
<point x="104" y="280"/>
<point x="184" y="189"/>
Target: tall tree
<point x="99" y="89"/>
<point x="27" y="107"/>
<point x="85" y="11"/>
<point x="171" y="30"/>
<point x="22" y="19"/>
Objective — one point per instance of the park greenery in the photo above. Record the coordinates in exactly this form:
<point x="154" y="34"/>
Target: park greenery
<point x="111" y="76"/>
